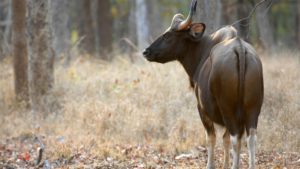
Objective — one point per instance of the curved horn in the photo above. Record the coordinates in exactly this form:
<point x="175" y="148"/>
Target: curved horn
<point x="187" y="22"/>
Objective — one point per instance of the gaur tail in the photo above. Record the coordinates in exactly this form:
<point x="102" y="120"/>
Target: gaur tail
<point x="241" y="66"/>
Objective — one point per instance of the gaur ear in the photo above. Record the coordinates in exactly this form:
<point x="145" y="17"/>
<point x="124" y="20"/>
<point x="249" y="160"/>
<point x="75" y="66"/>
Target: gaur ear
<point x="197" y="30"/>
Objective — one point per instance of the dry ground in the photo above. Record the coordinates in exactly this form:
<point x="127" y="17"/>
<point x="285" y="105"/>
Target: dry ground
<point x="142" y="115"/>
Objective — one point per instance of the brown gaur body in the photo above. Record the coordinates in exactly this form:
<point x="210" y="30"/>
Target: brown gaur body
<point x="226" y="74"/>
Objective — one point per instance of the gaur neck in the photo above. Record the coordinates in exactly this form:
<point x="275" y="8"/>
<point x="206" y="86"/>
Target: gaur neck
<point x="196" y="54"/>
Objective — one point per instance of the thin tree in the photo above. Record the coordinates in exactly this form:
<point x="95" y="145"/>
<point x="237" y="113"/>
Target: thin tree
<point x="229" y="12"/>
<point x="132" y="28"/>
<point x="2" y="26"/>
<point x="105" y="26"/>
<point x="298" y="16"/>
<point x="41" y="76"/>
<point x="209" y="12"/>
<point x="264" y="26"/>
<point x="142" y="24"/>
<point x="243" y="10"/>
<point x="154" y="18"/>
<point x="7" y="31"/>
<point x="5" y="27"/>
<point x="130" y="36"/>
<point x="61" y="31"/>
<point x="86" y="27"/>
<point x="20" y="53"/>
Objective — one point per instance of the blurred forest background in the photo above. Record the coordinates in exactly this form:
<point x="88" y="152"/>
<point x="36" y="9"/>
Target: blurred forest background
<point x="72" y="75"/>
<point x="100" y="27"/>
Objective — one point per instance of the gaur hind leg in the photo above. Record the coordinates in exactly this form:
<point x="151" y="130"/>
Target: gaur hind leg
<point x="235" y="130"/>
<point x="251" y="126"/>
<point x="226" y="144"/>
<point x="236" y="147"/>
<point x="210" y="138"/>
<point x="251" y="144"/>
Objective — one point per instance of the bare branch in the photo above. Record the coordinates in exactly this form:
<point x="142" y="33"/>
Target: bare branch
<point x="40" y="155"/>
<point x="252" y="12"/>
<point x="130" y="43"/>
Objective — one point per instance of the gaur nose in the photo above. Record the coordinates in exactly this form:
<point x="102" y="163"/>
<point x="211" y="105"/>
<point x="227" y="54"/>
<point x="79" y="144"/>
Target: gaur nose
<point x="146" y="52"/>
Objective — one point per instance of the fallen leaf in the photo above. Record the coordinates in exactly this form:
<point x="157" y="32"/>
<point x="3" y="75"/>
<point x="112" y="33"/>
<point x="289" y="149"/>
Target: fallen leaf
<point x="27" y="156"/>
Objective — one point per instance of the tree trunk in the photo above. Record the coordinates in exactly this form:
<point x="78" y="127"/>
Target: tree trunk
<point x="41" y="60"/>
<point x="96" y="25"/>
<point x="86" y="28"/>
<point x="105" y="26"/>
<point x="5" y="27"/>
<point x="229" y="12"/>
<point x="7" y="32"/>
<point x="61" y="31"/>
<point x="1" y="45"/>
<point x="20" y="53"/>
<point x="243" y="10"/>
<point x="209" y="13"/>
<point x="298" y="30"/>
<point x="264" y="26"/>
<point x="142" y="24"/>
<point x="154" y="18"/>
<point x="129" y="42"/>
<point x="132" y="23"/>
<point x="2" y="20"/>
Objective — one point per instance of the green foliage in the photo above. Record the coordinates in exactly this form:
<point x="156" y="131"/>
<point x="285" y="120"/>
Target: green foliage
<point x="283" y="15"/>
<point x="120" y="8"/>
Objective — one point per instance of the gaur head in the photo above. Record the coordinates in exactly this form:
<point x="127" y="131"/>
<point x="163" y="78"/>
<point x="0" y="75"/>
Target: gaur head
<point x="172" y="44"/>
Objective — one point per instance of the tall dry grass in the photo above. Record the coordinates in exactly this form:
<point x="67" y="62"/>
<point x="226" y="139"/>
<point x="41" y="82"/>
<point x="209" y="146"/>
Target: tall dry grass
<point x="279" y="124"/>
<point x="144" y="103"/>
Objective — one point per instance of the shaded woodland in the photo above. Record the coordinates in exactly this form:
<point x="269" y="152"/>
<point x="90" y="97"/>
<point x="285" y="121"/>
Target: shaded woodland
<point x="100" y="27"/>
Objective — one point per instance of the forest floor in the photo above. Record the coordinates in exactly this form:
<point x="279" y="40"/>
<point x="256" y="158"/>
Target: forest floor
<point x="22" y="152"/>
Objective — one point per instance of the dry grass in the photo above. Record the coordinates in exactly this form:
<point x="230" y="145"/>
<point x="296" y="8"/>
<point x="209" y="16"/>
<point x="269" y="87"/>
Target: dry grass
<point x="105" y="104"/>
<point x="279" y="124"/>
